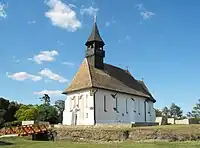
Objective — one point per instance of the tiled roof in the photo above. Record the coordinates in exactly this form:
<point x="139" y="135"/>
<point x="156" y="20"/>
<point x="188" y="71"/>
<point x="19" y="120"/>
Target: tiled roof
<point x="110" y="78"/>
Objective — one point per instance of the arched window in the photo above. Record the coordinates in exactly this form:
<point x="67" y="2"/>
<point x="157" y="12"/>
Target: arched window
<point x="149" y="107"/>
<point x="138" y="107"/>
<point x="79" y="99"/>
<point x="134" y="105"/>
<point x="73" y="101"/>
<point x="126" y="105"/>
<point x="104" y="103"/>
<point x="86" y="101"/>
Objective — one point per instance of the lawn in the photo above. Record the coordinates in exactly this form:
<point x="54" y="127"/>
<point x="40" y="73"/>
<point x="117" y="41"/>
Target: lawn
<point x="23" y="143"/>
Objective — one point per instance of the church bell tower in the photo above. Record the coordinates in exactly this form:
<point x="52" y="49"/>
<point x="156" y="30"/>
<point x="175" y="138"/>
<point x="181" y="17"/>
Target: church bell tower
<point x="94" y="47"/>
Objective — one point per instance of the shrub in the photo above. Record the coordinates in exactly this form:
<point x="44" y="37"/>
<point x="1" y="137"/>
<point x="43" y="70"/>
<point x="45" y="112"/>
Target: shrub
<point x="13" y="123"/>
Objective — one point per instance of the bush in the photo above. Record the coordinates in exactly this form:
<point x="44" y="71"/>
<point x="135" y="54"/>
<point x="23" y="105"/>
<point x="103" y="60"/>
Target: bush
<point x="13" y="123"/>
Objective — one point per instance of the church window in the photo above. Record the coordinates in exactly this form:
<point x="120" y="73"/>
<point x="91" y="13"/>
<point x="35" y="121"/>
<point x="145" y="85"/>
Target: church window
<point x="79" y="99"/>
<point x="86" y="115"/>
<point x="104" y="105"/>
<point x="86" y="101"/>
<point x="149" y="108"/>
<point x="126" y="105"/>
<point x="70" y="102"/>
<point x="116" y="101"/>
<point x="73" y="102"/>
<point x="138" y="107"/>
<point x="134" y="105"/>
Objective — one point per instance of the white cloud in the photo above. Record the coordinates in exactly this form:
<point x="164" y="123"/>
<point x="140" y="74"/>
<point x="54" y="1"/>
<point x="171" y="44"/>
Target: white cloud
<point x="15" y="60"/>
<point x="48" y="73"/>
<point x="68" y="63"/>
<point x="89" y="11"/>
<point x="108" y="23"/>
<point x="31" y="22"/>
<point x="127" y="37"/>
<point x="2" y="10"/>
<point x="21" y="76"/>
<point x="140" y="7"/>
<point x="60" y="43"/>
<point x="49" y="92"/>
<point x="145" y="13"/>
<point x="62" y="15"/>
<point x="45" y="56"/>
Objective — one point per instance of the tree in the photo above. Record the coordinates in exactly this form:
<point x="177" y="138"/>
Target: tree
<point x="27" y="112"/>
<point x="158" y="113"/>
<point x="12" y="109"/>
<point x="7" y="110"/>
<point x="175" y="111"/>
<point x="48" y="113"/>
<point x="4" y="103"/>
<point x="60" y="106"/>
<point x="2" y="114"/>
<point x="46" y="99"/>
<point x="165" y="112"/>
<point x="195" y="111"/>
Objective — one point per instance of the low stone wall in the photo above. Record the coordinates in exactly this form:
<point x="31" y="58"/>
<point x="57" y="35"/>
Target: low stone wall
<point x="161" y="120"/>
<point x="171" y="121"/>
<point x="186" y="121"/>
<point x="34" y="122"/>
<point x="142" y="124"/>
<point x="94" y="133"/>
<point x="107" y="126"/>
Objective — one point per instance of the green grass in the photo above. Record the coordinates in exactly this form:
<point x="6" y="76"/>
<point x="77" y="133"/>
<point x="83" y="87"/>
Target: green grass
<point x="23" y="143"/>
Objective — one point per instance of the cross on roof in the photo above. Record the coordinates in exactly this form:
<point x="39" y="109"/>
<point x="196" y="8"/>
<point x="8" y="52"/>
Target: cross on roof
<point x="95" y="18"/>
<point x="142" y="78"/>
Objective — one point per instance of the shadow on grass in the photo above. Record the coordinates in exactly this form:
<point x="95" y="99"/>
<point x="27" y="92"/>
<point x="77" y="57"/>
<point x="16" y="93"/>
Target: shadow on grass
<point x="3" y="143"/>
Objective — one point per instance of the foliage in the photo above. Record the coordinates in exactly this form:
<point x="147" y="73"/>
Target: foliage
<point x="60" y="106"/>
<point x="165" y="112"/>
<point x="13" y="123"/>
<point x="7" y="111"/>
<point x="158" y="113"/>
<point x="175" y="111"/>
<point x="48" y="113"/>
<point x="195" y="113"/>
<point x="12" y="113"/>
<point x="27" y="112"/>
<point x="46" y="99"/>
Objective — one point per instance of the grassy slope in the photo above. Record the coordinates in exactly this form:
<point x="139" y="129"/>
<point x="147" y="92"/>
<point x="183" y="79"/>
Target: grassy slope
<point x="181" y="129"/>
<point x="22" y="143"/>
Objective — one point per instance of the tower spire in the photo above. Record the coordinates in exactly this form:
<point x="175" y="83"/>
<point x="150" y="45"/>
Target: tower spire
<point x="94" y="49"/>
<point x="95" y="35"/>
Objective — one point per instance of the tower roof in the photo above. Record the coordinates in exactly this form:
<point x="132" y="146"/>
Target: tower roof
<point x="95" y="36"/>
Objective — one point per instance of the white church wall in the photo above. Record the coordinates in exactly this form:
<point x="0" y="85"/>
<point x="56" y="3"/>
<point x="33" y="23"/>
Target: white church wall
<point x="151" y="115"/>
<point x="129" y="108"/>
<point x="84" y="112"/>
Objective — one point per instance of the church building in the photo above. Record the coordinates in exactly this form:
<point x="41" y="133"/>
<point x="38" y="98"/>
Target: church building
<point x="101" y="93"/>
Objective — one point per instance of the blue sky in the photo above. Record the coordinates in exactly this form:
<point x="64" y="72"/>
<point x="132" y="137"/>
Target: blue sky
<point x="42" y="45"/>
